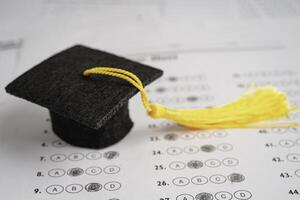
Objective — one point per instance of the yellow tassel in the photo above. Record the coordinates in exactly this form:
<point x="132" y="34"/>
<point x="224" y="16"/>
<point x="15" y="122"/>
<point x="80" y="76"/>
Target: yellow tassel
<point x="252" y="109"/>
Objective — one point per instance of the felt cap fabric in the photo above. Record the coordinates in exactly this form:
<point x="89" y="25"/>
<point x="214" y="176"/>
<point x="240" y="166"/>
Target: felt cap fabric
<point x="88" y="102"/>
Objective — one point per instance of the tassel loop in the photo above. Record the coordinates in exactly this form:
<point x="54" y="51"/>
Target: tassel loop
<point x="157" y="111"/>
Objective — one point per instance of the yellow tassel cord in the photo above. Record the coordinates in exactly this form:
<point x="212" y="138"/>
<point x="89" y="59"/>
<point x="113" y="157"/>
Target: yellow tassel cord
<point x="250" y="110"/>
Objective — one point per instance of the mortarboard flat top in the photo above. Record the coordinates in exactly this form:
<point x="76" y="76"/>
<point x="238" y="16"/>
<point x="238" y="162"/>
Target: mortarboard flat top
<point x="89" y="102"/>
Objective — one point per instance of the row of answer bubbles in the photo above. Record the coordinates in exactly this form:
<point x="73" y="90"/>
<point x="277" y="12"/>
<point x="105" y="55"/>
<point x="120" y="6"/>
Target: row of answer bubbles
<point x="77" y="171"/>
<point x="264" y="74"/>
<point x="295" y="130"/>
<point x="162" y="124"/>
<point x="197" y="164"/>
<point x="192" y="149"/>
<point x="180" y="88"/>
<point x="222" y="195"/>
<point x="195" y="134"/>
<point x="202" y="180"/>
<point x="76" y="188"/>
<point x="184" y="99"/>
<point x="276" y="83"/>
<point x="288" y="143"/>
<point x="109" y="155"/>
<point x="197" y="77"/>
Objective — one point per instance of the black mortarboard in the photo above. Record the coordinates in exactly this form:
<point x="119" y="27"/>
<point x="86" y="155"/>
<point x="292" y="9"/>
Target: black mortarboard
<point x="85" y="111"/>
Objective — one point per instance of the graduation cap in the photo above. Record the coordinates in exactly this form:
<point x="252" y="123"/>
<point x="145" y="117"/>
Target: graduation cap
<point x="85" y="111"/>
<point x="89" y="110"/>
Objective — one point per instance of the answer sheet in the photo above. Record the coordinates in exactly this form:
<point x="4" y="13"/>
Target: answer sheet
<point x="210" y="51"/>
<point x="159" y="160"/>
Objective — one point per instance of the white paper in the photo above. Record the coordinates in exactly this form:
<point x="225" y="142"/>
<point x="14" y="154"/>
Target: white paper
<point x="210" y="51"/>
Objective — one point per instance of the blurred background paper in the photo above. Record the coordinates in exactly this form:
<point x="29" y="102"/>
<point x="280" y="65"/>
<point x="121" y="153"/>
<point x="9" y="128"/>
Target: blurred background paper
<point x="210" y="51"/>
